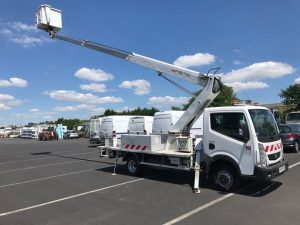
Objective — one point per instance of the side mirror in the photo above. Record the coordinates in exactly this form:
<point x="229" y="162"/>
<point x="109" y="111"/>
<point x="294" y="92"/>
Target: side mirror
<point x="244" y="133"/>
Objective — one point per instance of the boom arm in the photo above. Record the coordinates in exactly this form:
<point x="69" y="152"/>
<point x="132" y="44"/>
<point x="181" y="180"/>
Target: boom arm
<point x="49" y="19"/>
<point x="160" y="67"/>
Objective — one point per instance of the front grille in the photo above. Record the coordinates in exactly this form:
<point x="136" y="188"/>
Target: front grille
<point x="274" y="156"/>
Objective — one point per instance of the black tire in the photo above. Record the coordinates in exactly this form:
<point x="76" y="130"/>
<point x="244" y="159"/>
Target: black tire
<point x="296" y="146"/>
<point x="133" y="166"/>
<point x="225" y="178"/>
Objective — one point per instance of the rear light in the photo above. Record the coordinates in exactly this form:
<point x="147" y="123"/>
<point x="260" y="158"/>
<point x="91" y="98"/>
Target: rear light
<point x="291" y="136"/>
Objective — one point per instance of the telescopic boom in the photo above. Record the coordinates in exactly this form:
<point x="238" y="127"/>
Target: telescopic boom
<point x="49" y="19"/>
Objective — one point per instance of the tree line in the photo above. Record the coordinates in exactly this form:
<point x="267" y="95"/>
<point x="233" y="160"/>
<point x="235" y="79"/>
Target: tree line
<point x="290" y="96"/>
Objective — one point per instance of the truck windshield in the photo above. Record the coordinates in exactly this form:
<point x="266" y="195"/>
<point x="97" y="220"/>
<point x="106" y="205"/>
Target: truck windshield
<point x="264" y="124"/>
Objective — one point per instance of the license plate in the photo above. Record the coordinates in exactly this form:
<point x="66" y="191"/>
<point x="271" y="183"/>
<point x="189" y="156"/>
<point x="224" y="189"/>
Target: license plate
<point x="281" y="169"/>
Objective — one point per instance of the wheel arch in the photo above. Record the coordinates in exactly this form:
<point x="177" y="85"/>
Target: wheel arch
<point x="127" y="155"/>
<point x="221" y="160"/>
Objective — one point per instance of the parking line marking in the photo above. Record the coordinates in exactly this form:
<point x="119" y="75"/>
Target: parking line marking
<point x="50" y="177"/>
<point x="53" y="164"/>
<point x="70" y="197"/>
<point x="53" y="156"/>
<point x="296" y="164"/>
<point x="201" y="208"/>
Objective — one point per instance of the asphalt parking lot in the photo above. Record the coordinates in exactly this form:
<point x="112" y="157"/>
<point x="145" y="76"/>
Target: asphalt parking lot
<point x="64" y="182"/>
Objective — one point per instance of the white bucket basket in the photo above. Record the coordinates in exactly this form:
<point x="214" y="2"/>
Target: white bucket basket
<point x="48" y="19"/>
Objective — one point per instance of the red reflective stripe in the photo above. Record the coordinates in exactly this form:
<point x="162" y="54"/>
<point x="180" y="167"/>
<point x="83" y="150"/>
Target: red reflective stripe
<point x="271" y="148"/>
<point x="138" y="147"/>
<point x="132" y="146"/>
<point x="275" y="147"/>
<point x="144" y="148"/>
<point x="267" y="148"/>
<point x="126" y="146"/>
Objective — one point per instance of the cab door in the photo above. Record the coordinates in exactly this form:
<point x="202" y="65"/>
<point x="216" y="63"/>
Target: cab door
<point x="227" y="135"/>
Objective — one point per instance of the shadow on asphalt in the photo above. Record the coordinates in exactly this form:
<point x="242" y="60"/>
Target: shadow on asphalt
<point x="186" y="178"/>
<point x="180" y="177"/>
<point x="71" y="157"/>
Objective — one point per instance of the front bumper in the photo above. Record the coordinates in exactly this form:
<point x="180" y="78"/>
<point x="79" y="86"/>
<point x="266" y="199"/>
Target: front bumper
<point x="268" y="173"/>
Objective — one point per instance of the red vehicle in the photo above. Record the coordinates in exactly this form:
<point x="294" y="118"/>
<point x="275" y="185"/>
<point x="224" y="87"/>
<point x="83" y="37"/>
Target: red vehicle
<point x="48" y="134"/>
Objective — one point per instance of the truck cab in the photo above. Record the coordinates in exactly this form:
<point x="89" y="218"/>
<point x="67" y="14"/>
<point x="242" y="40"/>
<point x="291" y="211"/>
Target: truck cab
<point x="245" y="141"/>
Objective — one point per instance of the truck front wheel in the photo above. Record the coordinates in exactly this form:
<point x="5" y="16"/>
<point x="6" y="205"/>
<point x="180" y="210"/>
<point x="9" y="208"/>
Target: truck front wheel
<point x="225" y="178"/>
<point x="133" y="166"/>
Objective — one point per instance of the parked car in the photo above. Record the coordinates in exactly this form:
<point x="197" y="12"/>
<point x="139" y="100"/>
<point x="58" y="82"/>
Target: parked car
<point x="48" y="134"/>
<point x="71" y="135"/>
<point x="290" y="136"/>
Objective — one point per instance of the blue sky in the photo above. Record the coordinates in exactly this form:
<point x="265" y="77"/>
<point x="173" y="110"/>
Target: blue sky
<point x="256" y="43"/>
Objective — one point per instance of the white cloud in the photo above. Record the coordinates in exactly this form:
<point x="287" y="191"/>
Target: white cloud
<point x="141" y="87"/>
<point x="107" y="99"/>
<point x="74" y="96"/>
<point x="93" y="74"/>
<point x="5" y="97"/>
<point x="237" y="62"/>
<point x="198" y="59"/>
<point x="94" y="87"/>
<point x="167" y="100"/>
<point x="48" y="117"/>
<point x="87" y="107"/>
<point x="259" y="71"/>
<point x="74" y="108"/>
<point x="15" y="102"/>
<point x="3" y="106"/>
<point x="19" y="26"/>
<point x="9" y="100"/>
<point x="21" y="33"/>
<point x="238" y="86"/>
<point x="13" y="82"/>
<point x="34" y="110"/>
<point x="297" y="80"/>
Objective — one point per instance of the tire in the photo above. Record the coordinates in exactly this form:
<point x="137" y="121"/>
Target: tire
<point x="133" y="166"/>
<point x="296" y="146"/>
<point x="225" y="178"/>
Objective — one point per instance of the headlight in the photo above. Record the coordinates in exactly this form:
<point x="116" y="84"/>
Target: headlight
<point x="262" y="155"/>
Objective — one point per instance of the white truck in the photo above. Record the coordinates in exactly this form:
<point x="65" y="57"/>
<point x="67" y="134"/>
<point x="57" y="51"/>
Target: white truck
<point x="140" y="125"/>
<point x="241" y="141"/>
<point x="112" y="127"/>
<point x="95" y="130"/>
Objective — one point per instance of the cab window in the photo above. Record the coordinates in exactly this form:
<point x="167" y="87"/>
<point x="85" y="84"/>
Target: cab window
<point x="233" y="125"/>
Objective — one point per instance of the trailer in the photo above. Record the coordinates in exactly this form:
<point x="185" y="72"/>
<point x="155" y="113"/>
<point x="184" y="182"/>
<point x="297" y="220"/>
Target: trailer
<point x="237" y="141"/>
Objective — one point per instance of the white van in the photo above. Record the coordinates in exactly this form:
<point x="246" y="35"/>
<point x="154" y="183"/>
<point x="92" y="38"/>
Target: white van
<point x="114" y="126"/>
<point x="163" y="121"/>
<point x="140" y="125"/>
<point x="95" y="130"/>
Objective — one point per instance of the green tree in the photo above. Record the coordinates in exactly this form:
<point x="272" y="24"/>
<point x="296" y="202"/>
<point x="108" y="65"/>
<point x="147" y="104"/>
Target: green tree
<point x="70" y="123"/>
<point x="291" y="97"/>
<point x="136" y="112"/>
<point x="224" y="98"/>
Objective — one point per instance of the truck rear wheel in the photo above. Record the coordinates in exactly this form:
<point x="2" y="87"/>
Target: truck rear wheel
<point x="225" y="178"/>
<point x="133" y="166"/>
